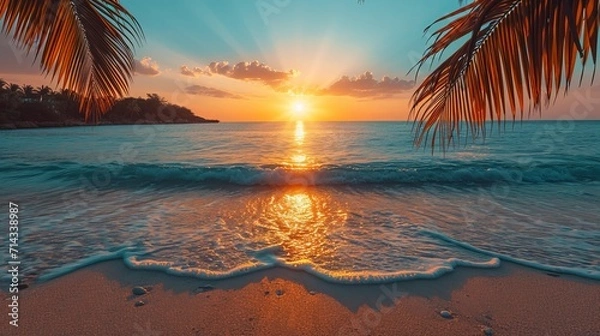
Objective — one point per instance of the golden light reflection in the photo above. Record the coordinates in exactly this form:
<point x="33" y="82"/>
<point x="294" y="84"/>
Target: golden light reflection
<point x="299" y="159"/>
<point x="299" y="133"/>
<point x="302" y="220"/>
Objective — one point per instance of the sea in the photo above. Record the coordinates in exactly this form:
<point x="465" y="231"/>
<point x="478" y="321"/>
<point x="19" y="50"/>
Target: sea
<point x="348" y="202"/>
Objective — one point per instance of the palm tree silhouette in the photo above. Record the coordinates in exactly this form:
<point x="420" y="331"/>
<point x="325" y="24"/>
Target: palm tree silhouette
<point x="85" y="45"/>
<point x="28" y="91"/>
<point x="43" y="91"/>
<point x="15" y="88"/>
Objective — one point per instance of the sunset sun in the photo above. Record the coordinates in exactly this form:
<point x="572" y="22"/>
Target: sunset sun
<point x="299" y="108"/>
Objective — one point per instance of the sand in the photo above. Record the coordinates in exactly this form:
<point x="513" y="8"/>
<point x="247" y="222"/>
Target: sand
<point x="510" y="300"/>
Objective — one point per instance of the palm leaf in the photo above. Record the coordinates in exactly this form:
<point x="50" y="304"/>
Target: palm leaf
<point x="85" y="45"/>
<point x="513" y="56"/>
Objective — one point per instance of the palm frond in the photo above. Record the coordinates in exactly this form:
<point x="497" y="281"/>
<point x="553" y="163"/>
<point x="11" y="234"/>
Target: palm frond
<point x="513" y="56"/>
<point x="85" y="45"/>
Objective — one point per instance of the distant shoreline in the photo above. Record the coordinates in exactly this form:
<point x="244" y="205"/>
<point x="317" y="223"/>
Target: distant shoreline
<point x="52" y="124"/>
<point x="24" y="108"/>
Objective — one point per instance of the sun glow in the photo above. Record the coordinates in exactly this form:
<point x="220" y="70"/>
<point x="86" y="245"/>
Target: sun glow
<point x="299" y="109"/>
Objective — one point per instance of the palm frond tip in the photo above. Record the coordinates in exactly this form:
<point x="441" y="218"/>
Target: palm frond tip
<point x="515" y="56"/>
<point x="85" y="45"/>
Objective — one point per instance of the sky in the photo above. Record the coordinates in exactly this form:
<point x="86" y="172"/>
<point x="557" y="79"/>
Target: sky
<point x="271" y="60"/>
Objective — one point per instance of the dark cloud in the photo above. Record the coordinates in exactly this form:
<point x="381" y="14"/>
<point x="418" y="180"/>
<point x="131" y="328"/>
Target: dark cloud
<point x="200" y="90"/>
<point x="146" y="66"/>
<point x="246" y="71"/>
<point x="366" y="85"/>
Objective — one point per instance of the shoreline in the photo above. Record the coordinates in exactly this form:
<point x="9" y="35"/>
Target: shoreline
<point x="34" y="125"/>
<point x="508" y="300"/>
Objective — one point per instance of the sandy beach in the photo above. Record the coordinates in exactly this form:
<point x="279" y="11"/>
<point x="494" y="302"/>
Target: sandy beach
<point x="510" y="300"/>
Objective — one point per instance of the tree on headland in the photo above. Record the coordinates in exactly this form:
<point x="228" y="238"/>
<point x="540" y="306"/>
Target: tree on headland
<point x="44" y="91"/>
<point x="512" y="57"/>
<point x="28" y="91"/>
<point x="85" y="45"/>
<point x="10" y="96"/>
<point x="15" y="88"/>
<point x="26" y="107"/>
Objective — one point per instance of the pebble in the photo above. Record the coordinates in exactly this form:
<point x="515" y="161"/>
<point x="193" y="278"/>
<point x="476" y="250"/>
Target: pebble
<point x="140" y="303"/>
<point x="204" y="288"/>
<point x="139" y="290"/>
<point x="312" y="292"/>
<point x="488" y="331"/>
<point x="279" y="292"/>
<point x="446" y="314"/>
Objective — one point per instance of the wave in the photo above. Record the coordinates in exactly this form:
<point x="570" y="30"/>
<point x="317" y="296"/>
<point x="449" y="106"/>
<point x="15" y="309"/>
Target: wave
<point x="432" y="268"/>
<point x="400" y="173"/>
<point x="584" y="273"/>
<point x="131" y="257"/>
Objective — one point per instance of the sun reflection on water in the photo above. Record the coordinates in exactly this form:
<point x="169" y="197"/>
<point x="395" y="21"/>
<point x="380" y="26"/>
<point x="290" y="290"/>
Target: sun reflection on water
<point x="299" y="133"/>
<point x="298" y="158"/>
<point x="300" y="222"/>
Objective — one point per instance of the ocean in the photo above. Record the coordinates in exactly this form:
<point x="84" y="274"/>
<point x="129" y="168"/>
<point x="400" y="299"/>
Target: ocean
<point x="349" y="202"/>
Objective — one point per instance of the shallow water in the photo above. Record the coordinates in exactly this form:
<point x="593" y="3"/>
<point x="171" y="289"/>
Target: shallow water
<point x="348" y="202"/>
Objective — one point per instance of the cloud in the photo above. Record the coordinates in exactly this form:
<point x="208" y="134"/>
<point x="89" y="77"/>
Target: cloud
<point x="146" y="66"/>
<point x="195" y="72"/>
<point x="366" y="85"/>
<point x="200" y="90"/>
<point x="247" y="71"/>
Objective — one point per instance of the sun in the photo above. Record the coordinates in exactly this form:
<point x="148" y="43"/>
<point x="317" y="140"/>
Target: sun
<point x="299" y="108"/>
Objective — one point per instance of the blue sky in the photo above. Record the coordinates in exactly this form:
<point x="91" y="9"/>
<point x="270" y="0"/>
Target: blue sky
<point x="320" y="41"/>
<point x="387" y="34"/>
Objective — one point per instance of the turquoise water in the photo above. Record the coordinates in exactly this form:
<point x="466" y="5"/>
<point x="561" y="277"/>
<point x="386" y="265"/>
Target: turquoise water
<point x="348" y="202"/>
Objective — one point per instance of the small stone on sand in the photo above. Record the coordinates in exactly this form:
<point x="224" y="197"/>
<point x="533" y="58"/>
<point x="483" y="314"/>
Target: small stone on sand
<point x="140" y="303"/>
<point x="488" y="331"/>
<point x="312" y="292"/>
<point x="446" y="314"/>
<point x="139" y="290"/>
<point x="279" y="292"/>
<point x="204" y="288"/>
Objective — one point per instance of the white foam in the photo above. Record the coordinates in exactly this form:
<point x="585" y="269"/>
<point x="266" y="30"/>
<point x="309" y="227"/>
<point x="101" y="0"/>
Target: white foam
<point x="340" y="277"/>
<point x="62" y="270"/>
<point x="586" y="273"/>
